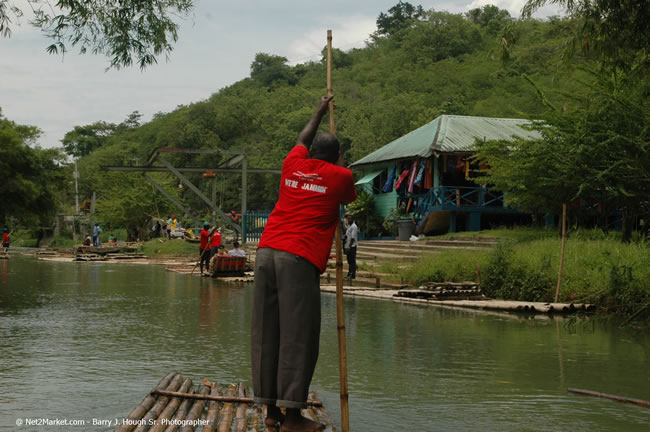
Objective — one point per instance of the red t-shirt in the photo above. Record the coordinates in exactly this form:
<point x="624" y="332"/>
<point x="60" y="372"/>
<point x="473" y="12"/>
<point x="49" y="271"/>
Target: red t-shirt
<point x="216" y="239"/>
<point x="204" y="239"/>
<point x="304" y="218"/>
<point x="5" y="238"/>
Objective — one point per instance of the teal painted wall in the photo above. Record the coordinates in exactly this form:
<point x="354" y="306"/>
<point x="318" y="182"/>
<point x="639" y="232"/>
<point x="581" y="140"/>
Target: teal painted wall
<point x="384" y="203"/>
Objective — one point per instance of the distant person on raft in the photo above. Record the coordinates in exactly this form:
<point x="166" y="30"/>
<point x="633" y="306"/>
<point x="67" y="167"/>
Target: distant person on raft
<point x="6" y="240"/>
<point x="204" y="247"/>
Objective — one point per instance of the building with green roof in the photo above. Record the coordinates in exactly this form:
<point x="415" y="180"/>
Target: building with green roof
<point x="435" y="167"/>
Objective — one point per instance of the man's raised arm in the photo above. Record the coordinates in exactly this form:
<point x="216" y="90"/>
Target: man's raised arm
<point x="309" y="131"/>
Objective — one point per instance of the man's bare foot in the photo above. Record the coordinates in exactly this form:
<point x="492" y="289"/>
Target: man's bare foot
<point x="273" y="416"/>
<point x="294" y="422"/>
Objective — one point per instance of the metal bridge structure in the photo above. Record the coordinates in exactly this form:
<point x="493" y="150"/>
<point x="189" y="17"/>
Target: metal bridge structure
<point x="237" y="163"/>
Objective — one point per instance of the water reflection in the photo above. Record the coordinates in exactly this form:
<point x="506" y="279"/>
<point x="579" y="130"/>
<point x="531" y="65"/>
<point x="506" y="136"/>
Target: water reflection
<point x="72" y="332"/>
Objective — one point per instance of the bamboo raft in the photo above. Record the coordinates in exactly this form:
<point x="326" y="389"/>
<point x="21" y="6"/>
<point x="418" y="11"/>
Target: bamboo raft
<point x="98" y="250"/>
<point x="125" y="256"/>
<point x="89" y="257"/>
<point x="175" y="404"/>
<point x="444" y="291"/>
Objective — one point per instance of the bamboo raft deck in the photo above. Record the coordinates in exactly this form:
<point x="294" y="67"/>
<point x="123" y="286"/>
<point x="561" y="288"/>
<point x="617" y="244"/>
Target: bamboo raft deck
<point x="176" y="404"/>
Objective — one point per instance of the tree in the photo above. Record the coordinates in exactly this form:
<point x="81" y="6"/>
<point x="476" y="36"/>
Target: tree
<point x="340" y="59"/>
<point x="33" y="177"/>
<point x="610" y="128"/>
<point x="598" y="151"/>
<point x="611" y="134"/>
<point x="489" y="16"/>
<point x="538" y="175"/>
<point x="127" y="31"/>
<point x="399" y="17"/>
<point x="132" y="121"/>
<point x="82" y="140"/>
<point x="272" y="70"/>
<point x="440" y="36"/>
<point x="616" y="32"/>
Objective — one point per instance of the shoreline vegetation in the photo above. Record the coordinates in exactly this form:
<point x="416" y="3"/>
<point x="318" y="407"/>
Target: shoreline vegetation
<point x="599" y="269"/>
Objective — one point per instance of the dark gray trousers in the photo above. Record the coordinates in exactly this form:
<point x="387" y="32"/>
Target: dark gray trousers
<point x="286" y="328"/>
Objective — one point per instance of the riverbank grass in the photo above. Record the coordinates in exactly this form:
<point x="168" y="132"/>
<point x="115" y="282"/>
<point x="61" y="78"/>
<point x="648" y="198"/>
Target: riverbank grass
<point x="176" y="247"/>
<point x="605" y="272"/>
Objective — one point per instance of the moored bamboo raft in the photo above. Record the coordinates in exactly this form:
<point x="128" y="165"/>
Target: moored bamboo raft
<point x="486" y="304"/>
<point x="444" y="291"/>
<point x="175" y="405"/>
<point x="90" y="257"/>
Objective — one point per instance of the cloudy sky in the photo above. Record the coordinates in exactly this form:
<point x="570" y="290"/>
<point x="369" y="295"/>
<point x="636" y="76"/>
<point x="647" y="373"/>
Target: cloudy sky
<point x="215" y="49"/>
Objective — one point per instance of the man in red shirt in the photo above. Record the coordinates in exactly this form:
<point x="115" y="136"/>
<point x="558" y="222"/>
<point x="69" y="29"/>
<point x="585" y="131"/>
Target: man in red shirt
<point x="204" y="247"/>
<point x="215" y="242"/>
<point x="5" y="240"/>
<point x="291" y="254"/>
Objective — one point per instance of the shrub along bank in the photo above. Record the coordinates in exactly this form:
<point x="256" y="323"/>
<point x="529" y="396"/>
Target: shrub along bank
<point x="612" y="275"/>
<point x="176" y="247"/>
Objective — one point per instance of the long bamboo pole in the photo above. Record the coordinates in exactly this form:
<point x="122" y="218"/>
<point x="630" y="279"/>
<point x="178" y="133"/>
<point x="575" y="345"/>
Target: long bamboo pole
<point x="340" y="322"/>
<point x="559" y="276"/>
<point x="639" y="402"/>
<point x="247" y="400"/>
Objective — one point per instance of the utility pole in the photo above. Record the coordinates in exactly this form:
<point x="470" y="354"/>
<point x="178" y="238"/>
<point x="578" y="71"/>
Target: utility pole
<point x="214" y="201"/>
<point x="244" y="187"/>
<point x="75" y="175"/>
<point x="93" y="201"/>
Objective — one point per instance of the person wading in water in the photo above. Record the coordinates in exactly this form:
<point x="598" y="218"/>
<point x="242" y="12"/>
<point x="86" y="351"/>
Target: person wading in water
<point x="291" y="255"/>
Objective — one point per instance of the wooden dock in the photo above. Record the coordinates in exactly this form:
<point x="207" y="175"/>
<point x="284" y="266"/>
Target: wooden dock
<point x="176" y="404"/>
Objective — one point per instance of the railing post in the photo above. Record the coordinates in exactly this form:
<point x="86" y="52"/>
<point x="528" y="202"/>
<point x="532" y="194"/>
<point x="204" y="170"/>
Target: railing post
<point x="244" y="231"/>
<point x="452" y="222"/>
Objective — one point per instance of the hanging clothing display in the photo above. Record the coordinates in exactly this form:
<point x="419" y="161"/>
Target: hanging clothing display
<point x="389" y="183"/>
<point x="428" y="174"/>
<point x="401" y="179"/>
<point x="418" y="178"/>
<point x="414" y="168"/>
<point x="460" y="164"/>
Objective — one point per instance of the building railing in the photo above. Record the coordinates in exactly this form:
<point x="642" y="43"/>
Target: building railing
<point x="255" y="222"/>
<point x="461" y="198"/>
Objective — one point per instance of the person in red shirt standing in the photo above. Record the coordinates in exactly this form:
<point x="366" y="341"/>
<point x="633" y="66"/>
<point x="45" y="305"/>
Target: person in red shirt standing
<point x="215" y="242"/>
<point x="204" y="247"/>
<point x="291" y="255"/>
<point x="5" y="239"/>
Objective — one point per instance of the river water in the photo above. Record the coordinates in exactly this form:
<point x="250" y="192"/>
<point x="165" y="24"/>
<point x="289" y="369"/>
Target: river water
<point x="89" y="340"/>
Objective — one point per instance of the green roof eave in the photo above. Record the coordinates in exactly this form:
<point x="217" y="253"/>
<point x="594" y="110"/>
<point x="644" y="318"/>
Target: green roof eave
<point x="448" y="134"/>
<point x="368" y="177"/>
<point x="417" y="143"/>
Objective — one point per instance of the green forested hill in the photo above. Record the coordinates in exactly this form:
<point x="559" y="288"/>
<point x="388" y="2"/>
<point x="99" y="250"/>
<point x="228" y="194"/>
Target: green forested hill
<point x="410" y="72"/>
